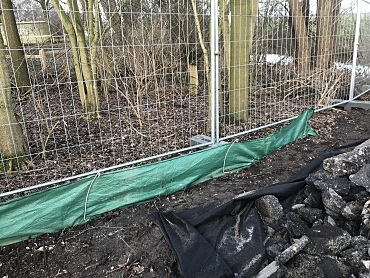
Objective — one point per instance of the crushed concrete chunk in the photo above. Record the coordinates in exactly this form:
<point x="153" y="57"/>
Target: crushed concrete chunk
<point x="327" y="240"/>
<point x="293" y="250"/>
<point x="365" y="215"/>
<point x="269" y="208"/>
<point x="333" y="202"/>
<point x="323" y="180"/>
<point x="362" y="177"/>
<point x="347" y="163"/>
<point x="273" y="270"/>
<point x="352" y="211"/>
<point x="310" y="215"/>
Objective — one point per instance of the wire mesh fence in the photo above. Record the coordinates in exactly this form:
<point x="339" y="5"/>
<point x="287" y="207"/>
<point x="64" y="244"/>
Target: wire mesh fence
<point x="111" y="83"/>
<point x="362" y="61"/>
<point x="116" y="92"/>
<point x="300" y="56"/>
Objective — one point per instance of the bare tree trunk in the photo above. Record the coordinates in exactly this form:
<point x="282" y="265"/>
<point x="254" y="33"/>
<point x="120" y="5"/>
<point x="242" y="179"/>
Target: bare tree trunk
<point x="327" y="14"/>
<point x="206" y="64"/>
<point x="12" y="142"/>
<point x="306" y="11"/>
<point x="243" y="18"/>
<point x="224" y="31"/>
<point x="44" y="7"/>
<point x="17" y="55"/>
<point x="301" y="36"/>
<point x="83" y="56"/>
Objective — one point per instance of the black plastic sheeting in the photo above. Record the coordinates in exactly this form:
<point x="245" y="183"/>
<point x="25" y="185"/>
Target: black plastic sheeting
<point x="227" y="239"/>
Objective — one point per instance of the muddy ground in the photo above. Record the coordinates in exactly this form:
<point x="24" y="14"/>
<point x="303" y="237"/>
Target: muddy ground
<point x="125" y="243"/>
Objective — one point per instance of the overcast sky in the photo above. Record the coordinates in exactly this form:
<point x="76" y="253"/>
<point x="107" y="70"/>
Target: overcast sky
<point x="351" y="4"/>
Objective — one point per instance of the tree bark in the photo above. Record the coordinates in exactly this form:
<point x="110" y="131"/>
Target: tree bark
<point x="13" y="40"/>
<point x="327" y="14"/>
<point x="44" y="7"/>
<point x="243" y="18"/>
<point x="301" y="36"/>
<point x="85" y="66"/>
<point x="12" y="142"/>
<point x="206" y="64"/>
<point x="224" y="32"/>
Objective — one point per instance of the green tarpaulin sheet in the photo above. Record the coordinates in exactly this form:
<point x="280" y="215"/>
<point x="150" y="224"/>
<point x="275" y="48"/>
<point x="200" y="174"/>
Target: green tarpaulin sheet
<point x="75" y="203"/>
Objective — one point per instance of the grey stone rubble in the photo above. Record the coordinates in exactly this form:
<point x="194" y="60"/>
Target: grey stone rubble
<point x="349" y="162"/>
<point x="362" y="177"/>
<point x="364" y="144"/>
<point x="333" y="202"/>
<point x="274" y="269"/>
<point x="326" y="233"/>
<point x="292" y="250"/>
<point x="365" y="214"/>
<point x="323" y="180"/>
<point x="269" y="208"/>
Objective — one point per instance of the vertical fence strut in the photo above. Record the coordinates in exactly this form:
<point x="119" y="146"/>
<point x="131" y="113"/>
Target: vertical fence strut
<point x="355" y="51"/>
<point x="215" y="133"/>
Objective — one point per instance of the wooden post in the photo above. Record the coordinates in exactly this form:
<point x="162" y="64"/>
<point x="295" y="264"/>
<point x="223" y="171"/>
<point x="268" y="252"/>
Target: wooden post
<point x="43" y="61"/>
<point x="193" y="79"/>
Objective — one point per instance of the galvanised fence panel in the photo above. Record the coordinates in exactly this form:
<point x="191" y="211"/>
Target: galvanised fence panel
<point x="361" y="62"/>
<point x="107" y="84"/>
<point x="295" y="55"/>
<point x="93" y="88"/>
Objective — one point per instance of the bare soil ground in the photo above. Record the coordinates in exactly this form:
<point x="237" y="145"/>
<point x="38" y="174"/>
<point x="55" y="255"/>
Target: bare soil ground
<point x="125" y="243"/>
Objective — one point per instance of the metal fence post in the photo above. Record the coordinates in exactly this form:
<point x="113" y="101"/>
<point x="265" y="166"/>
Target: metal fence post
<point x="215" y="132"/>
<point x="355" y="50"/>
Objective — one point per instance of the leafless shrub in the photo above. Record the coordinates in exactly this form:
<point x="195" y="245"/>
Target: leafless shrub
<point x="320" y="86"/>
<point x="146" y="64"/>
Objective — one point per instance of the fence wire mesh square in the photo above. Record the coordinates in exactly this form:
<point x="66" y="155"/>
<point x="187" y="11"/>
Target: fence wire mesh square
<point x="98" y="84"/>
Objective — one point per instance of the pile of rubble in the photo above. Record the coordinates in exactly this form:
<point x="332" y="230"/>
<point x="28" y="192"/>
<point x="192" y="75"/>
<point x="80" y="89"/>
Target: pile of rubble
<point x="326" y="233"/>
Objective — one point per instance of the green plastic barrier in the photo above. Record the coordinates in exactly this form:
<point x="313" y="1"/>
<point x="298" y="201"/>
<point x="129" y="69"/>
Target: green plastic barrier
<point x="75" y="203"/>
